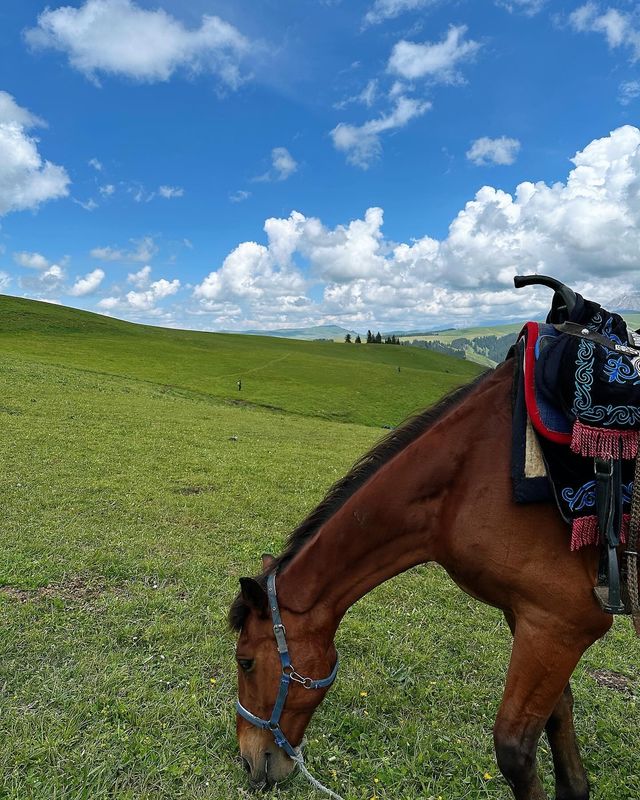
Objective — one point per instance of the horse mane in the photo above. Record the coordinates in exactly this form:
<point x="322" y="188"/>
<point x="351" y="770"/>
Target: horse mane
<point x="397" y="440"/>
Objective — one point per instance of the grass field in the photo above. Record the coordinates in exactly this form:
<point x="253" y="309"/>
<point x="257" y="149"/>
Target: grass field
<point x="136" y="489"/>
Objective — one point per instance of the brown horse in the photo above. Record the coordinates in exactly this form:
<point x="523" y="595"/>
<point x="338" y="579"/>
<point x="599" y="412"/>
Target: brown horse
<point x="436" y="489"/>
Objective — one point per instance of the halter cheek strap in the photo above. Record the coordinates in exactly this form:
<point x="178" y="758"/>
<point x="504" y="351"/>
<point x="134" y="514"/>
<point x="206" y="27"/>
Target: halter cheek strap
<point x="288" y="674"/>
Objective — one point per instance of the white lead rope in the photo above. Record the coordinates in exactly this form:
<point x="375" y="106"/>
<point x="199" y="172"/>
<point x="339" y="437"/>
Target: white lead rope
<point x="313" y="781"/>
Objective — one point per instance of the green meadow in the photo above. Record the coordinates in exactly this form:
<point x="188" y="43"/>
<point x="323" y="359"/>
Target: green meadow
<point x="138" y="484"/>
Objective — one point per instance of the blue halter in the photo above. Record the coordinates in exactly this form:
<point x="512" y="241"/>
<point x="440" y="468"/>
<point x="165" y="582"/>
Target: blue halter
<point x="288" y="674"/>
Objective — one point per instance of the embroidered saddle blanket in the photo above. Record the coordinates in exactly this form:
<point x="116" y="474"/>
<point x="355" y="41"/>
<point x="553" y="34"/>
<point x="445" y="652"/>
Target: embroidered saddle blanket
<point x="578" y="389"/>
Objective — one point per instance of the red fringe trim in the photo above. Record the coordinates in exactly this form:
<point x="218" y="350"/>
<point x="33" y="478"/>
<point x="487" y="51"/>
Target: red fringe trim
<point x="584" y="531"/>
<point x="601" y="443"/>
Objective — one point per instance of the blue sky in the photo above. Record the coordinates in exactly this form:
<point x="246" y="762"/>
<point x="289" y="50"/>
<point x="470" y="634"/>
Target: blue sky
<point x="377" y="163"/>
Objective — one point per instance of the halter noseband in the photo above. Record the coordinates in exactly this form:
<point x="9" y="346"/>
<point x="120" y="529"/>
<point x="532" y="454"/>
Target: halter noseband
<point x="288" y="674"/>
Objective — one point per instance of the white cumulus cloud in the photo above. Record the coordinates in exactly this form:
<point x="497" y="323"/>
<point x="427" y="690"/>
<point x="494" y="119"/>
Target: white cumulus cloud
<point x="361" y="143"/>
<point x="283" y="162"/>
<point x="239" y="196"/>
<point x="250" y="272"/>
<point x="26" y="180"/>
<point x="283" y="165"/>
<point x="170" y="191"/>
<point x="143" y="250"/>
<point x="5" y="281"/>
<point x="47" y="282"/>
<point x="10" y="112"/>
<point x="31" y="260"/>
<point x="382" y="10"/>
<point x="118" y="37"/>
<point x="616" y="26"/>
<point x="493" y="151"/>
<point x="528" y="7"/>
<point x="584" y="230"/>
<point x="146" y="300"/>
<point x="438" y="61"/>
<point x="628" y="91"/>
<point x="366" y="97"/>
<point x="88" y="205"/>
<point x="88" y="284"/>
<point x="140" y="279"/>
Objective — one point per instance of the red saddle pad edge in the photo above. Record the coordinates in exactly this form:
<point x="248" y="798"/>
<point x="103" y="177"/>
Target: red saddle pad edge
<point x="530" y="334"/>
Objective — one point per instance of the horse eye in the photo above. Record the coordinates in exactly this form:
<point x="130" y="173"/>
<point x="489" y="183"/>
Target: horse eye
<point x="245" y="663"/>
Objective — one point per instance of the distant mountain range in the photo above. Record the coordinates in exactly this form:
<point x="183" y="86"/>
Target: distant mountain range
<point x="486" y="345"/>
<point x="629" y="302"/>
<point x="334" y="332"/>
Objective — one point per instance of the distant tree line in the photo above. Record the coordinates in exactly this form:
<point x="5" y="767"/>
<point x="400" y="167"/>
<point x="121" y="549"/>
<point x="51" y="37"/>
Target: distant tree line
<point x="439" y="347"/>
<point x="493" y="347"/>
<point x="371" y="339"/>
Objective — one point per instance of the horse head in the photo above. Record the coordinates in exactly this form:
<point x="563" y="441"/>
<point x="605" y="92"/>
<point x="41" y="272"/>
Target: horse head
<point x="275" y="698"/>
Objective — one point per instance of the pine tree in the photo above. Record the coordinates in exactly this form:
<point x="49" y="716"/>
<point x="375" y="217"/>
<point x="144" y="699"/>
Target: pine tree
<point x="378" y="338"/>
<point x="369" y="337"/>
<point x="358" y="339"/>
<point x="347" y="338"/>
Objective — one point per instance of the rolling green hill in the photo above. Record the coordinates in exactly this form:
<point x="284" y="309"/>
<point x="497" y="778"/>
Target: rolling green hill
<point x="485" y="346"/>
<point x="332" y="380"/>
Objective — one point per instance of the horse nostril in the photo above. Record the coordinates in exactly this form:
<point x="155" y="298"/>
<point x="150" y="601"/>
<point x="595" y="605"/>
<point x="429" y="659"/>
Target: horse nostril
<point x="246" y="765"/>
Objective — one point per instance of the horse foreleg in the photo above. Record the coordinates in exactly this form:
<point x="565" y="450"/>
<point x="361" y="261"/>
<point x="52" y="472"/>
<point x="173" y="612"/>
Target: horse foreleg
<point x="541" y="663"/>
<point x="571" y="778"/>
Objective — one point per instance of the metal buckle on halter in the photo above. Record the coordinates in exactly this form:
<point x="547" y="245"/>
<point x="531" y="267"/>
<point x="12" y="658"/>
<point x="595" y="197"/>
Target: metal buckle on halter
<point x="280" y="632"/>
<point x="298" y="678"/>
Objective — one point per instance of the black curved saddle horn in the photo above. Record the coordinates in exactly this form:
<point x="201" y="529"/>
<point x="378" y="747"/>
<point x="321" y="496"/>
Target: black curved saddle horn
<point x="566" y="304"/>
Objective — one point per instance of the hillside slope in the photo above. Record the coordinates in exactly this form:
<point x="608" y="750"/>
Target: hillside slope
<point x="371" y="385"/>
<point x="486" y="346"/>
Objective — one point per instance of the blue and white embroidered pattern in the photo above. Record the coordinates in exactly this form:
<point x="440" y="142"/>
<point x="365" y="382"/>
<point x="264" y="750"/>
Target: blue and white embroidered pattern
<point x="583" y="408"/>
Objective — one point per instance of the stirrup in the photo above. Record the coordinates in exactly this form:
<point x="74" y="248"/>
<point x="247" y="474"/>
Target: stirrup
<point x="609" y="512"/>
<point x="608" y="591"/>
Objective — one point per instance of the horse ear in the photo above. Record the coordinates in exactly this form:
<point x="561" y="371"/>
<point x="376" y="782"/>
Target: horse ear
<point x="267" y="561"/>
<point x="254" y="595"/>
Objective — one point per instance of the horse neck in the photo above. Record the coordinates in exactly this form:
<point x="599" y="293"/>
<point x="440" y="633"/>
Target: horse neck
<point x="398" y="517"/>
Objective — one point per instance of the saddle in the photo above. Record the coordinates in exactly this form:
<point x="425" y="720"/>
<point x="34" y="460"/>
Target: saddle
<point x="577" y="403"/>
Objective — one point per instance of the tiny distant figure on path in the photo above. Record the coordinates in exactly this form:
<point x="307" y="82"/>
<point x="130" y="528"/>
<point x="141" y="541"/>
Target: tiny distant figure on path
<point x="398" y="369"/>
<point x="240" y="385"/>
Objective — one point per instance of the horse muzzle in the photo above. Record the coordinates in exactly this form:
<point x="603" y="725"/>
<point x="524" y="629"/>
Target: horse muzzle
<point x="266" y="763"/>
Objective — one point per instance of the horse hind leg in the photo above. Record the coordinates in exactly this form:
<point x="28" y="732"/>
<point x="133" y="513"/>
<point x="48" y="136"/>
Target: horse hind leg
<point x="570" y="775"/>
<point x="542" y="661"/>
<point x="571" y="778"/>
